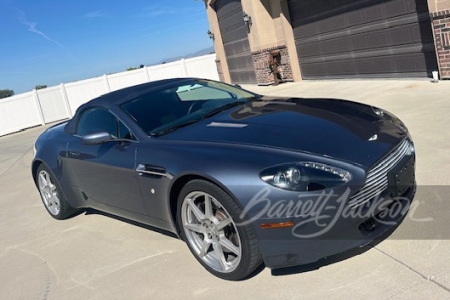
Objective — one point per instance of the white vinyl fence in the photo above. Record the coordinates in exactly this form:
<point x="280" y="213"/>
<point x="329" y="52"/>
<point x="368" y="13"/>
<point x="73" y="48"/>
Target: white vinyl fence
<point x="56" y="103"/>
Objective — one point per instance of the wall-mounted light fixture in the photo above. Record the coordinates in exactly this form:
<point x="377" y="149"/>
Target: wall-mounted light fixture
<point x="211" y="35"/>
<point x="247" y="21"/>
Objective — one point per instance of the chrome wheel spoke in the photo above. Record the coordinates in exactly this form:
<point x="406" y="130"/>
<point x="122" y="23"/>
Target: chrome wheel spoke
<point x="204" y="248"/>
<point x="222" y="224"/>
<point x="54" y="204"/>
<point x="197" y="212"/>
<point x="55" y="200"/>
<point x="208" y="207"/>
<point x="43" y="180"/>
<point x="220" y="256"/>
<point x="194" y="227"/>
<point x="228" y="245"/>
<point x="52" y="200"/>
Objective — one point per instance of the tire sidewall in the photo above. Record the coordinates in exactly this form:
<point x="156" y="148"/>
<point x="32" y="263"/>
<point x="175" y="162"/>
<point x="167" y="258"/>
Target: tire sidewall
<point x="244" y="267"/>
<point x="65" y="209"/>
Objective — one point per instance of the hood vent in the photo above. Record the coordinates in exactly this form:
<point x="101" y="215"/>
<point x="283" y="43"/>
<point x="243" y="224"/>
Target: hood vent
<point x="228" y="125"/>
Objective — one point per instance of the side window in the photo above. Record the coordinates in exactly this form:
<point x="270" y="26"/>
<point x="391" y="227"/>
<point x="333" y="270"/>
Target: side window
<point x="97" y="120"/>
<point x="124" y="133"/>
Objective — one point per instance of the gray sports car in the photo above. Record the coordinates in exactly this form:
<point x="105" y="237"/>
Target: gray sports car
<point x="243" y="179"/>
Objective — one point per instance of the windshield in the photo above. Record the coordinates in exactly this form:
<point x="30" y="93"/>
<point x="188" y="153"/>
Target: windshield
<point x="164" y="110"/>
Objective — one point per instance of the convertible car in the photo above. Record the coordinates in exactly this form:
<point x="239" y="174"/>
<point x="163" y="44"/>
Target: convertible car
<point x="243" y="179"/>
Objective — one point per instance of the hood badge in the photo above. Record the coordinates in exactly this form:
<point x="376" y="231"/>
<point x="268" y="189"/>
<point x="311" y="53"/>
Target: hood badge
<point x="373" y="138"/>
<point x="228" y="125"/>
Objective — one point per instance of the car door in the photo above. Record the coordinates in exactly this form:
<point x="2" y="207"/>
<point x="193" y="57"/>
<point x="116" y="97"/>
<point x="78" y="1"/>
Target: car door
<point x="105" y="173"/>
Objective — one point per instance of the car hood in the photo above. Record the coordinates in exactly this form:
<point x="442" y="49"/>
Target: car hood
<point x="338" y="129"/>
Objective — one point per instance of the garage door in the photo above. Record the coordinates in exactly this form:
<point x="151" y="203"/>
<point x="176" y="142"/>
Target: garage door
<point x="373" y="38"/>
<point x="235" y="41"/>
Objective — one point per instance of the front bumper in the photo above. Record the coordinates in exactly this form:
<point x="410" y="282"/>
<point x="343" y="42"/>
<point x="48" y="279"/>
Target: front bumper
<point x="333" y="221"/>
<point x="281" y="248"/>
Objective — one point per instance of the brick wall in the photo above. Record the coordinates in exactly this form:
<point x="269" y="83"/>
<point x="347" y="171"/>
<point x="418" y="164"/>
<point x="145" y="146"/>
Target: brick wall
<point x="441" y="27"/>
<point x="264" y="75"/>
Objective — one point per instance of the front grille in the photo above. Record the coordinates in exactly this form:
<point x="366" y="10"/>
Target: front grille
<point x="377" y="178"/>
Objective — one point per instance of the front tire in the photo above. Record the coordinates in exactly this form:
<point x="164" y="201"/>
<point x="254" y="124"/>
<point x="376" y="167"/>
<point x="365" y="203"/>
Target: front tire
<point x="207" y="218"/>
<point x="51" y="194"/>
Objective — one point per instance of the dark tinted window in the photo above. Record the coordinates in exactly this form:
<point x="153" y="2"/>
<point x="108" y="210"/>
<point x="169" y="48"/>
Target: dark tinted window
<point x="124" y="132"/>
<point x="97" y="120"/>
<point x="156" y="109"/>
<point x="182" y="103"/>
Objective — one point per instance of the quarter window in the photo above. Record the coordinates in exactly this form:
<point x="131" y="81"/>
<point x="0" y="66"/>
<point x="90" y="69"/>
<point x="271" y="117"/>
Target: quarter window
<point x="97" y="120"/>
<point x="124" y="132"/>
<point x="100" y="120"/>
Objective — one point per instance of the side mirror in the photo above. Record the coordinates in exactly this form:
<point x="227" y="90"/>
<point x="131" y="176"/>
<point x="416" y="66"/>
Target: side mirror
<point x="237" y="85"/>
<point x="96" y="138"/>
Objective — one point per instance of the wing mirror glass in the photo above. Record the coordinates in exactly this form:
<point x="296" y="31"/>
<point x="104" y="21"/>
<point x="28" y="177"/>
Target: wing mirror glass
<point x="96" y="138"/>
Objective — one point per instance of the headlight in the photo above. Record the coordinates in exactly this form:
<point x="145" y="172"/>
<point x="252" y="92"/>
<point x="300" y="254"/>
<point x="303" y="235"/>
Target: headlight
<point x="305" y="176"/>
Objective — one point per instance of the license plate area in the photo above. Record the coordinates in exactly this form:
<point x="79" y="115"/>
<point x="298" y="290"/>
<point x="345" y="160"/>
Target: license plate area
<point x="402" y="177"/>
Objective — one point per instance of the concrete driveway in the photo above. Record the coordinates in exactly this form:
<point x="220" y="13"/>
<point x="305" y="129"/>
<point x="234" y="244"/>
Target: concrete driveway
<point x="94" y="256"/>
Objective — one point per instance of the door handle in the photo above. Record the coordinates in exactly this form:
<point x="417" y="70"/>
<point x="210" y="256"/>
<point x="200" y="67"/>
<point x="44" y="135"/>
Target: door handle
<point x="74" y="153"/>
<point x="151" y="170"/>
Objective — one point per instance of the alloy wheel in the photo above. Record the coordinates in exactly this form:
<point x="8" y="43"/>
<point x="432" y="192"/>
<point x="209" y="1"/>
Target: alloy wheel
<point x="211" y="232"/>
<point x="49" y="193"/>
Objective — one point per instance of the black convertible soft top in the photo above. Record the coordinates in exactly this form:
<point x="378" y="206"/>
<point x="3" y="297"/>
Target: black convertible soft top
<point x="129" y="93"/>
<point x="124" y="95"/>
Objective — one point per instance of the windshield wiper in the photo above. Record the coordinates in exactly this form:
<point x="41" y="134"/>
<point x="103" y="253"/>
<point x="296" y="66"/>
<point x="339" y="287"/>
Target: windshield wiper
<point x="223" y="108"/>
<point x="207" y="115"/>
<point x="173" y="128"/>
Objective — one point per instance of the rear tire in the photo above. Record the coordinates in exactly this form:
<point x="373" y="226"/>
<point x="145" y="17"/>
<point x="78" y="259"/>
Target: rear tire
<point x="51" y="194"/>
<point x="207" y="218"/>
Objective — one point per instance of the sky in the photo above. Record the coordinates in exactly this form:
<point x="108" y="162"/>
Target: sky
<point x="47" y="42"/>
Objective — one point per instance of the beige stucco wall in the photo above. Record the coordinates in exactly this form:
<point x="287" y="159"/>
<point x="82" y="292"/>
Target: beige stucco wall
<point x="438" y="5"/>
<point x="218" y="43"/>
<point x="266" y="21"/>
<point x="270" y="28"/>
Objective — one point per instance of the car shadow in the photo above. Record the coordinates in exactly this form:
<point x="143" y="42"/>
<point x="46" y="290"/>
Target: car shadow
<point x="91" y="211"/>
<point x="275" y="272"/>
<point x="334" y="258"/>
